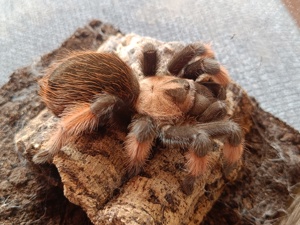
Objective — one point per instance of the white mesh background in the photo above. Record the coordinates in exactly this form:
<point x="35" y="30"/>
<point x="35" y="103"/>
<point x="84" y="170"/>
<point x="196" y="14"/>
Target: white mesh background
<point x="257" y="40"/>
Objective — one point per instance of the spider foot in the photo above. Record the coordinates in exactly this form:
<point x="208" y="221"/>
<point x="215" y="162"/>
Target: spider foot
<point x="228" y="168"/>
<point x="196" y="165"/>
<point x="216" y="111"/>
<point x="217" y="90"/>
<point x="232" y="153"/>
<point x="133" y="171"/>
<point x="52" y="147"/>
<point x="207" y="66"/>
<point x="137" y="153"/>
<point x="187" y="185"/>
<point x="42" y="157"/>
<point x="139" y="142"/>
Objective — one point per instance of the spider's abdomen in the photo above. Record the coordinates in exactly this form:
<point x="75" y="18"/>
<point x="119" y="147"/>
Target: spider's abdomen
<point x="84" y="75"/>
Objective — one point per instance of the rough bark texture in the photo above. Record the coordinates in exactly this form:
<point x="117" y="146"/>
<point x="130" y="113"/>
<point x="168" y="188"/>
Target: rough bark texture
<point x="92" y="169"/>
<point x="269" y="179"/>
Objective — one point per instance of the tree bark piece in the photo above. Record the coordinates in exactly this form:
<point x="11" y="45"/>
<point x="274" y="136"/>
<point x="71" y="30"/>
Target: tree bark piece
<point x="93" y="171"/>
<point x="93" y="168"/>
<point x="155" y="197"/>
<point x="29" y="194"/>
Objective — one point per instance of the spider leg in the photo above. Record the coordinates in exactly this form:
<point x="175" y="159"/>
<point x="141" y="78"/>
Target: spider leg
<point x="216" y="111"/>
<point x="203" y="99"/>
<point x="149" y="60"/>
<point x="201" y="103"/>
<point x="233" y="147"/>
<point x="139" y="142"/>
<point x="217" y="90"/>
<point x="83" y="117"/>
<point x="196" y="140"/>
<point x="209" y="66"/>
<point x="181" y="58"/>
<point x="53" y="145"/>
<point x="111" y="110"/>
<point x="206" y="106"/>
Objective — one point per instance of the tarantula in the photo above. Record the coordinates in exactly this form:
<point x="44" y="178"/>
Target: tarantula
<point x="89" y="89"/>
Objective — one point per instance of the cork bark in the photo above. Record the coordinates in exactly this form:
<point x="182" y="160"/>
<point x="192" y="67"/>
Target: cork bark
<point x="91" y="171"/>
<point x="93" y="167"/>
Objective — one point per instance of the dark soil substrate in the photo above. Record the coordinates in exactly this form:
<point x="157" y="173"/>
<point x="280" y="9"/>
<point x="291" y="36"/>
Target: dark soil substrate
<point x="33" y="194"/>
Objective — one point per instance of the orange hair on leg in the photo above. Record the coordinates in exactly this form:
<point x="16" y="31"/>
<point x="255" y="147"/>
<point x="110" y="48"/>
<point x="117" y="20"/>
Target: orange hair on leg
<point x="78" y="119"/>
<point x="52" y="146"/>
<point x="222" y="77"/>
<point x="196" y="165"/>
<point x="137" y="152"/>
<point x="233" y="153"/>
<point x="74" y="122"/>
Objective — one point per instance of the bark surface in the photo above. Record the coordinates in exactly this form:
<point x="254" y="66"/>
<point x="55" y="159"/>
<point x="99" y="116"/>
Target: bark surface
<point x="93" y="167"/>
<point x="91" y="171"/>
